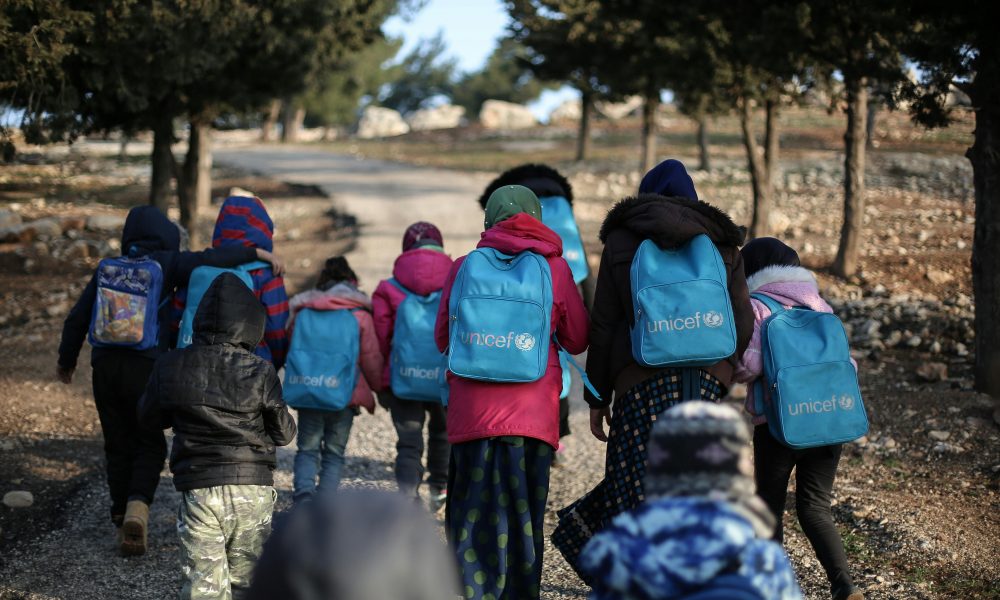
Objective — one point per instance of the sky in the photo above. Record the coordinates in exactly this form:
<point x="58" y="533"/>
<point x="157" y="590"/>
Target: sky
<point x="470" y="29"/>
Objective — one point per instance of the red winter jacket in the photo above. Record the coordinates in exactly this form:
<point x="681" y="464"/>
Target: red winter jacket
<point x="478" y="409"/>
<point x="422" y="271"/>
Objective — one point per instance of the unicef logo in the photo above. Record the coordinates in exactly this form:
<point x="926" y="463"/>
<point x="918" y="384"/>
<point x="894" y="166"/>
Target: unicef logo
<point x="571" y="255"/>
<point x="332" y="382"/>
<point x="846" y="402"/>
<point x="713" y="319"/>
<point x="524" y="342"/>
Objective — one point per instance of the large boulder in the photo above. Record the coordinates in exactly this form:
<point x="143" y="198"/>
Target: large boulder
<point x="619" y="110"/>
<point x="379" y="122"/>
<point x="9" y="218"/>
<point x="570" y="110"/>
<point x="497" y="114"/>
<point x="446" y="116"/>
<point x="109" y="224"/>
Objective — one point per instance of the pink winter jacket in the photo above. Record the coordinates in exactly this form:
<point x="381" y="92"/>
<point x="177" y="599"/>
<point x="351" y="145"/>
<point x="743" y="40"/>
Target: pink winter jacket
<point x="346" y="296"/>
<point x="789" y="286"/>
<point x="422" y="271"/>
<point x="478" y="409"/>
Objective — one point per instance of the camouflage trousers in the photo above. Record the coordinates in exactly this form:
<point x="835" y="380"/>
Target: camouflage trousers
<point x="222" y="530"/>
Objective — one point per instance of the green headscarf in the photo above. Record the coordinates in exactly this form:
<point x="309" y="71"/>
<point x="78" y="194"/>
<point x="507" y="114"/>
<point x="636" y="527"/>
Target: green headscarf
<point x="511" y="200"/>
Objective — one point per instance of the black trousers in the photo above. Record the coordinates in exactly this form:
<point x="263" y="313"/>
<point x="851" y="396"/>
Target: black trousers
<point x="133" y="464"/>
<point x="408" y="417"/>
<point x="815" y="471"/>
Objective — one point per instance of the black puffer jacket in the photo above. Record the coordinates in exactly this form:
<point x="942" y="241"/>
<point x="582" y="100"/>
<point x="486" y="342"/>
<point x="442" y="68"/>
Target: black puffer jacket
<point x="670" y="222"/>
<point x="223" y="402"/>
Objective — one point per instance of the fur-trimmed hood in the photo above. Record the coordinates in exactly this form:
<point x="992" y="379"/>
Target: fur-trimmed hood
<point x="541" y="179"/>
<point x="671" y="221"/>
<point x="780" y="274"/>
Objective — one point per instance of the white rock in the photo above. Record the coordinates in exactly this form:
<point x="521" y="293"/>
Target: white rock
<point x="446" y="116"/>
<point x="9" y="218"/>
<point x="379" y="122"/>
<point x="938" y="277"/>
<point x="105" y="223"/>
<point x="778" y="221"/>
<point x="18" y="499"/>
<point x="570" y="110"/>
<point x="242" y="192"/>
<point x="46" y="227"/>
<point x="497" y="114"/>
<point x="939" y="436"/>
<point x="619" y="110"/>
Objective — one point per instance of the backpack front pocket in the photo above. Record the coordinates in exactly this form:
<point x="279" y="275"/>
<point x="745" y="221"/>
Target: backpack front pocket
<point x="818" y="404"/>
<point x="500" y="339"/>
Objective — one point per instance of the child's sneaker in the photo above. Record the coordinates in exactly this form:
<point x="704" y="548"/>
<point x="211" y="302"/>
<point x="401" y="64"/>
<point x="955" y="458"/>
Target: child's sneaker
<point x="438" y="498"/>
<point x="133" y="530"/>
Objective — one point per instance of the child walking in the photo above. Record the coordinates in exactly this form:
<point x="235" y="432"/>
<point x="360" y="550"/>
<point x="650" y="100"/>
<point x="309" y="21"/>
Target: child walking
<point x="224" y="405"/>
<point x="122" y="364"/>
<point x="319" y="346"/>
<point x="503" y="421"/>
<point x="773" y="268"/>
<point x="420" y="271"/>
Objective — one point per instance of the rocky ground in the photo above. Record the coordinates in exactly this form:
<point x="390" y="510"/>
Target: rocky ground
<point x="917" y="499"/>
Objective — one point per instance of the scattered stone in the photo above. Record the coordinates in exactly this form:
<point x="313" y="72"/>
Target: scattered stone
<point x="889" y="443"/>
<point x="938" y="277"/>
<point x="106" y="223"/>
<point x="939" y="436"/>
<point x="9" y="218"/>
<point x="497" y="114"/>
<point x="961" y="349"/>
<point x="778" y="221"/>
<point x="446" y="116"/>
<point x="18" y="499"/>
<point x="946" y="448"/>
<point x="380" y="122"/>
<point x="914" y="341"/>
<point x="932" y="371"/>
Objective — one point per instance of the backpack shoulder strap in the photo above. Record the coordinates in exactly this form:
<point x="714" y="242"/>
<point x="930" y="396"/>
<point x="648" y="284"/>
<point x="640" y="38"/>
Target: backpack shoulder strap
<point x="773" y="305"/>
<point x="583" y="374"/>
<point x="399" y="286"/>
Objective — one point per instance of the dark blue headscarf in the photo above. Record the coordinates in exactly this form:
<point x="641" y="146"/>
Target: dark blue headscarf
<point x="669" y="178"/>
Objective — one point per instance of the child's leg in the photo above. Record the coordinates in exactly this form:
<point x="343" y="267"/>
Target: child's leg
<point x="773" y="464"/>
<point x="203" y="545"/>
<point x="408" y="419"/>
<point x="336" y="431"/>
<point x="249" y="509"/>
<point x="118" y="383"/>
<point x="309" y="438"/>
<point x="815" y="472"/>
<point x="438" y="449"/>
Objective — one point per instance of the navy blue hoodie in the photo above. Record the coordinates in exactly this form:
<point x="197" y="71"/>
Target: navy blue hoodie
<point x="147" y="232"/>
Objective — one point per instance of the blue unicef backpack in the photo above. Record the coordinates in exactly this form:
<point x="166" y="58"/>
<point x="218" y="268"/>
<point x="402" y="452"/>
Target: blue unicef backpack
<point x="557" y="215"/>
<point x="415" y="364"/>
<point x="322" y="365"/>
<point x="201" y="278"/>
<point x="815" y="397"/>
<point x="127" y="304"/>
<point x="500" y="311"/>
<point x="683" y="317"/>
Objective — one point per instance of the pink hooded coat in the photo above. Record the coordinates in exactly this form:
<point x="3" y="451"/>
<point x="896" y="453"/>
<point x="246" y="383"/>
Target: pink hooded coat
<point x="422" y="271"/>
<point x="790" y="286"/>
<point x="478" y="409"/>
<point x="344" y="296"/>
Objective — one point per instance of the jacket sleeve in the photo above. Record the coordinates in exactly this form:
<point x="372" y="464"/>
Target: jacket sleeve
<point x="751" y="364"/>
<point x="607" y="314"/>
<point x="442" y="323"/>
<point x="370" y="357"/>
<point x="275" y="300"/>
<point x="572" y="326"/>
<point x="278" y="424"/>
<point x="226" y="256"/>
<point x="76" y="325"/>
<point x="384" y="316"/>
<point x="739" y="296"/>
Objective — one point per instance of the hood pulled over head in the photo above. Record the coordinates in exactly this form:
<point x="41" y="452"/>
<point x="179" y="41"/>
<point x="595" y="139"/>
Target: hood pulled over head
<point x="229" y="313"/>
<point x="541" y="179"/>
<point x="669" y="178"/>
<point x="672" y="221"/>
<point x="243" y="221"/>
<point x="149" y="230"/>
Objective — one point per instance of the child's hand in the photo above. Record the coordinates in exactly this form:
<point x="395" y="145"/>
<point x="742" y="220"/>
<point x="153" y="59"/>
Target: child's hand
<point x="277" y="264"/>
<point x="64" y="375"/>
<point x="599" y="416"/>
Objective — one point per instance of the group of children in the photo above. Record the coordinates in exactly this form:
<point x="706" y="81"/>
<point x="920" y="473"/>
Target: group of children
<point x="478" y="348"/>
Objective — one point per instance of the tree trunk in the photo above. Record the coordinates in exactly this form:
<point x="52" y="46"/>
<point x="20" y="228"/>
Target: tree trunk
<point x="759" y="226"/>
<point x="985" y="158"/>
<point x="292" y="123"/>
<point x="772" y="145"/>
<point x="846" y="263"/>
<point x="649" y="105"/>
<point x="194" y="189"/>
<point x="704" y="164"/>
<point x="163" y="164"/>
<point x="583" y="135"/>
<point x="123" y="147"/>
<point x="270" y="125"/>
